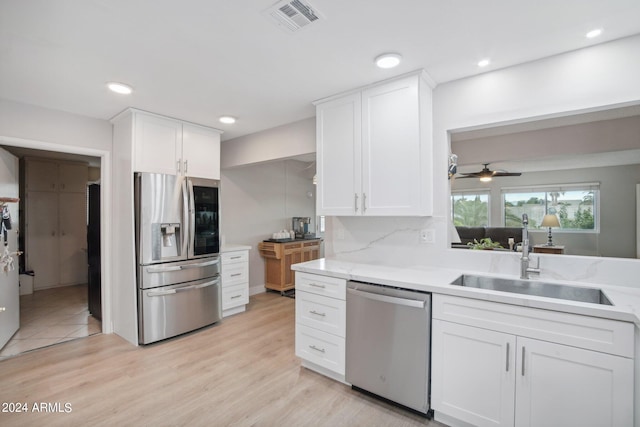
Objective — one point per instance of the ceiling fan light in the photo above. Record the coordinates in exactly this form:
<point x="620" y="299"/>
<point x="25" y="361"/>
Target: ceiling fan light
<point x="485" y="178"/>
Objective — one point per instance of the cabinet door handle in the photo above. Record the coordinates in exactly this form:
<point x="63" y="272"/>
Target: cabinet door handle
<point x="315" y="285"/>
<point x="356" y="202"/>
<point x="236" y="274"/>
<point x="507" y="357"/>
<point x="236" y="296"/>
<point x="364" y="202"/>
<point x="236" y="257"/>
<point x="317" y="314"/>
<point x="179" y="164"/>
<point x="313" y="347"/>
<point x="523" y="361"/>
<point x="186" y="166"/>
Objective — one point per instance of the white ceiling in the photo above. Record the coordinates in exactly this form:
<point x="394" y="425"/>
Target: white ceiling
<point x="199" y="59"/>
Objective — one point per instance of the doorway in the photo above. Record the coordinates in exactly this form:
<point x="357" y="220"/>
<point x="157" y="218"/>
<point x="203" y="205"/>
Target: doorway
<point x="54" y="307"/>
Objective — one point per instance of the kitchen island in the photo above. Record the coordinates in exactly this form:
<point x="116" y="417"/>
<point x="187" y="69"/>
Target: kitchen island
<point x="280" y="256"/>
<point x="497" y="358"/>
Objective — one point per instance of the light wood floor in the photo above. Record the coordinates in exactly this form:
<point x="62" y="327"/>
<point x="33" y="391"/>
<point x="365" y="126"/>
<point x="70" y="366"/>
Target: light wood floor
<point x="241" y="372"/>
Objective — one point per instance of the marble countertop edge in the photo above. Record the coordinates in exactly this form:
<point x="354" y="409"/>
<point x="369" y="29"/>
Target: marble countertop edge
<point x="626" y="301"/>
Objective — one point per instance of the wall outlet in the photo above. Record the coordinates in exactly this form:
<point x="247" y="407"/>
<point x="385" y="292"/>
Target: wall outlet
<point x="427" y="235"/>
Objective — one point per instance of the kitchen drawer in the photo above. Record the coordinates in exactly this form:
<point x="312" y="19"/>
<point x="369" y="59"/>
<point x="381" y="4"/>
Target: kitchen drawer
<point x="321" y="285"/>
<point x="234" y="257"/>
<point x="234" y="274"/>
<point x="234" y="296"/>
<point x="321" y="348"/>
<point x="320" y="312"/>
<point x="593" y="333"/>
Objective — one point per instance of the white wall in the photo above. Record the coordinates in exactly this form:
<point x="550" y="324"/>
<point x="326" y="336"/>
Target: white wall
<point x="42" y="124"/>
<point x="290" y="140"/>
<point x="258" y="200"/>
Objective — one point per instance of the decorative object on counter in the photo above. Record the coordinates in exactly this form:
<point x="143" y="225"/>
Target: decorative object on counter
<point x="279" y="256"/>
<point x="550" y="220"/>
<point x="300" y="226"/>
<point x="281" y="236"/>
<point x="484" y="243"/>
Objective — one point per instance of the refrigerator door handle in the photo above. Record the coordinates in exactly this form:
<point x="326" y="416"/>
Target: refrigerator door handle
<point x="200" y="264"/>
<point x="163" y="269"/>
<point x="207" y="284"/>
<point x="161" y="293"/>
<point x="186" y="247"/>
<point x="184" y="289"/>
<point x="192" y="220"/>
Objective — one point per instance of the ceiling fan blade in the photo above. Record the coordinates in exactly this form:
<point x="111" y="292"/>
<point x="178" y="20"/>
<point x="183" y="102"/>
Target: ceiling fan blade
<point x="507" y="174"/>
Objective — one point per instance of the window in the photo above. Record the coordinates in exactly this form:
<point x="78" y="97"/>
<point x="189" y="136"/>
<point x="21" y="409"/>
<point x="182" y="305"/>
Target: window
<point x="575" y="205"/>
<point x="470" y="209"/>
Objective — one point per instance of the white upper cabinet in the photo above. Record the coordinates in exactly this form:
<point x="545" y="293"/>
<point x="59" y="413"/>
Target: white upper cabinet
<point x="374" y="150"/>
<point x="165" y="145"/>
<point x="338" y="155"/>
<point x="200" y="151"/>
<point x="157" y="144"/>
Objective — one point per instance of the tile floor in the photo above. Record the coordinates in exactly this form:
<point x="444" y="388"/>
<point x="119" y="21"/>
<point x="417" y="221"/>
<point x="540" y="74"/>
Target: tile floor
<point x="52" y="316"/>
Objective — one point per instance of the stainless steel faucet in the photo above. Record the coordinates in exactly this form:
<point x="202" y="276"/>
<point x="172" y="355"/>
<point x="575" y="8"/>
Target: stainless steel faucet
<point x="524" y="260"/>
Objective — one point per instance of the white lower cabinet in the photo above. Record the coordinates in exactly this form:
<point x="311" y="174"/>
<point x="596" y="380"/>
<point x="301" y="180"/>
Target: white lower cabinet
<point x="235" y="281"/>
<point x="321" y="323"/>
<point x="501" y="377"/>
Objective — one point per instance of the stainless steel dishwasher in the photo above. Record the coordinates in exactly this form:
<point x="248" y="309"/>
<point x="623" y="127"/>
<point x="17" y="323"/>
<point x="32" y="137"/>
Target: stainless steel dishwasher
<point x="388" y="343"/>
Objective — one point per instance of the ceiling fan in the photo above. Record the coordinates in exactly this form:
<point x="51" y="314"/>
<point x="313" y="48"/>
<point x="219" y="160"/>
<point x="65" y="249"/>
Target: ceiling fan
<point x="487" y="174"/>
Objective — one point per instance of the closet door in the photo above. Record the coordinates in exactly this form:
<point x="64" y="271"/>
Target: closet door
<point x="73" y="238"/>
<point x="42" y="238"/>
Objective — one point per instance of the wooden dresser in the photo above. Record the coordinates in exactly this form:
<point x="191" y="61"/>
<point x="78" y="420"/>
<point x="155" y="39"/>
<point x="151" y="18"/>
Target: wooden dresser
<point x="278" y="258"/>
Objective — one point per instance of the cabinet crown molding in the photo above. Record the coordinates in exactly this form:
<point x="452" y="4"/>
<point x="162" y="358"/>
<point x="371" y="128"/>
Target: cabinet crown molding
<point x="424" y="77"/>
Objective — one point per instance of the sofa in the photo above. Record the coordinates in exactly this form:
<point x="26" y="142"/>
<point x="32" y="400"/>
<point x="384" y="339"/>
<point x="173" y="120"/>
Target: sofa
<point x="497" y="234"/>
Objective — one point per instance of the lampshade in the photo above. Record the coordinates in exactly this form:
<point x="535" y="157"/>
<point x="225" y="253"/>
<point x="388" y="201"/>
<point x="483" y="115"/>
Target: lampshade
<point x="550" y="221"/>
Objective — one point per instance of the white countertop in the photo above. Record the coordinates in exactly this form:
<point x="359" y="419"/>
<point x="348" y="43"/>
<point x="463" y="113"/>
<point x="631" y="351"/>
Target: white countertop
<point x="626" y="301"/>
<point x="228" y="247"/>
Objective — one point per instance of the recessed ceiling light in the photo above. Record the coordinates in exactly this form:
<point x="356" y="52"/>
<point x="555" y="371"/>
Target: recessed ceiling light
<point x="388" y="60"/>
<point x="594" y="33"/>
<point x="227" y="120"/>
<point x="120" y="88"/>
<point x="484" y="63"/>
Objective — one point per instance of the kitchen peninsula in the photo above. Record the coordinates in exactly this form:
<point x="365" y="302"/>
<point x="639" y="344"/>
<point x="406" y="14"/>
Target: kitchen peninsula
<point x="504" y="343"/>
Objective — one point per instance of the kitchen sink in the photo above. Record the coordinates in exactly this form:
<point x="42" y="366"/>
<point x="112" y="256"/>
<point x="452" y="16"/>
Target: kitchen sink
<point x="527" y="287"/>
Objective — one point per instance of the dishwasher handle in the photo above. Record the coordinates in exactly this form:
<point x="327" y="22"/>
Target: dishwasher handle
<point x="385" y="298"/>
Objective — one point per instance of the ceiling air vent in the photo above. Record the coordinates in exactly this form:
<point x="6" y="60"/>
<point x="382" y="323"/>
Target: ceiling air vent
<point x="292" y="15"/>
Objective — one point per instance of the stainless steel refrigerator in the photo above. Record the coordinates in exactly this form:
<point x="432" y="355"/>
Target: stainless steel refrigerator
<point x="177" y="247"/>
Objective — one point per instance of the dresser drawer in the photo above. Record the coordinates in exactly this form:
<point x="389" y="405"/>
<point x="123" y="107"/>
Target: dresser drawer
<point x="592" y="333"/>
<point x="321" y="348"/>
<point x="234" y="296"/>
<point x="321" y="285"/>
<point x="234" y="257"/>
<point x="320" y="312"/>
<point x="234" y="274"/>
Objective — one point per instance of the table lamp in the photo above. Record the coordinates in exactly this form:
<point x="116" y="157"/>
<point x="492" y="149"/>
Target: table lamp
<point x="550" y="220"/>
